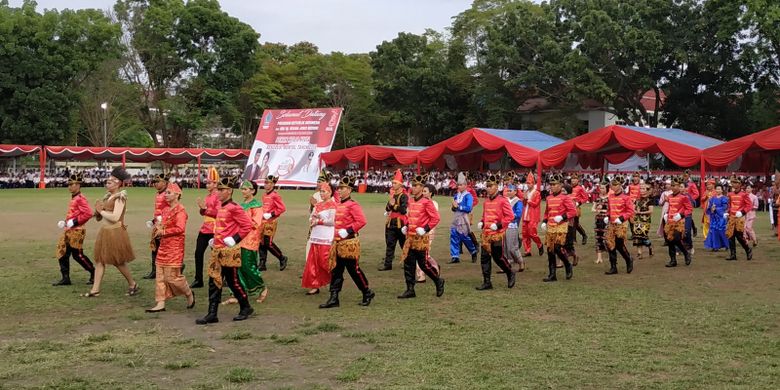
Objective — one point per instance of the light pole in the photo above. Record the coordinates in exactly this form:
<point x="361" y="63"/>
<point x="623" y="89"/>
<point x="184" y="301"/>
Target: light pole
<point x="104" y="106"/>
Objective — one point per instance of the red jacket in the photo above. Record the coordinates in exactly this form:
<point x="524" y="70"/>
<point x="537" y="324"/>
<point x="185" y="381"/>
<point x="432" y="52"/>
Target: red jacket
<point x="633" y="192"/>
<point x="579" y="194"/>
<point x="349" y="216"/>
<point x="740" y="201"/>
<point x="559" y="205"/>
<point x="679" y="203"/>
<point x="79" y="211"/>
<point x="272" y="203"/>
<point x="421" y="213"/>
<point x="620" y="206"/>
<point x="532" y="207"/>
<point x="173" y="226"/>
<point x="210" y="213"/>
<point x="496" y="210"/>
<point x="160" y="204"/>
<point x="693" y="191"/>
<point x="232" y="221"/>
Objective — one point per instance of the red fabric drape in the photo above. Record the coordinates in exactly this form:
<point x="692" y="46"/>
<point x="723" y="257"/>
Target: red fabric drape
<point x="169" y="155"/>
<point x="18" y="150"/>
<point x="750" y="147"/>
<point x="378" y="156"/>
<point x="477" y="141"/>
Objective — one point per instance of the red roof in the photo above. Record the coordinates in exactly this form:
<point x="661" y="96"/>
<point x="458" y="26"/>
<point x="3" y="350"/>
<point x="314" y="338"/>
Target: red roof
<point x="755" y="149"/>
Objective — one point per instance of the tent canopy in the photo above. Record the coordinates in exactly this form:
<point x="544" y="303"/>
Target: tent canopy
<point x="755" y="150"/>
<point x="490" y="145"/>
<point x="616" y="144"/>
<point x="18" y="150"/>
<point x="372" y="156"/>
<point x="169" y="155"/>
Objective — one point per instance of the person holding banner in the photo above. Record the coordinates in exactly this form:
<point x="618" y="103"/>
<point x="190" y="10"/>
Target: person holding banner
<point x="273" y="208"/>
<point x="396" y="209"/>
<point x="160" y="184"/>
<point x="208" y="209"/>
<point x="71" y="242"/>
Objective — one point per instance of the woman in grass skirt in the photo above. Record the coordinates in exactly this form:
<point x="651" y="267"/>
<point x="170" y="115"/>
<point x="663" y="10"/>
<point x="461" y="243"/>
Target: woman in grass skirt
<point x="112" y="245"/>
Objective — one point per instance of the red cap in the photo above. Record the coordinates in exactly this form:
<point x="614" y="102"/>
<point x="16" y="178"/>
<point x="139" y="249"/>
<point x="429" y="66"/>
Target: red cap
<point x="398" y="177"/>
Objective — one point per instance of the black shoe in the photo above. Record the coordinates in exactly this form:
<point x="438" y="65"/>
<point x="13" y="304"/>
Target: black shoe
<point x="313" y="293"/>
<point x="191" y="305"/>
<point x="671" y="264"/>
<point x="208" y="319"/>
<point x="150" y="275"/>
<point x="454" y="260"/>
<point x="511" y="279"/>
<point x="385" y="267"/>
<point x="407" y="294"/>
<point x="91" y="280"/>
<point x="541" y="250"/>
<point x="569" y="272"/>
<point x="62" y="282"/>
<point x="474" y="257"/>
<point x="155" y="310"/>
<point x="749" y="253"/>
<point x="550" y="278"/>
<point x="262" y="267"/>
<point x="244" y="314"/>
<point x="440" y="287"/>
<point x="584" y="240"/>
<point x="196" y="284"/>
<point x="612" y="271"/>
<point x="283" y="263"/>
<point x="733" y="257"/>
<point x="485" y="286"/>
<point x="630" y="265"/>
<point x="688" y="259"/>
<point x="367" y="297"/>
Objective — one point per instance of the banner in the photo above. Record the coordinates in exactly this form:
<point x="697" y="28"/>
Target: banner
<point x="289" y="143"/>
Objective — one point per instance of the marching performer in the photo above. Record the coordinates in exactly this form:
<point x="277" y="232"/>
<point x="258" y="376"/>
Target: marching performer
<point x="273" y="208"/>
<point x="634" y="193"/>
<point x="170" y="231"/>
<point x="600" y="206"/>
<point x="421" y="218"/>
<point x="690" y="226"/>
<point x="460" y="230"/>
<point x="717" y="206"/>
<point x="160" y="184"/>
<point x="496" y="216"/>
<point x="345" y="250"/>
<point x="750" y="234"/>
<point x="396" y="209"/>
<point x="705" y="199"/>
<point x="642" y="219"/>
<point x="112" y="245"/>
<point x="679" y="206"/>
<point x="580" y="197"/>
<point x="250" y="276"/>
<point x="317" y="273"/>
<point x="208" y="209"/>
<point x="739" y="205"/>
<point x="620" y="209"/>
<point x="231" y="227"/>
<point x="560" y="209"/>
<point x="531" y="216"/>
<point x="71" y="242"/>
<point x="512" y="237"/>
<point x="428" y="191"/>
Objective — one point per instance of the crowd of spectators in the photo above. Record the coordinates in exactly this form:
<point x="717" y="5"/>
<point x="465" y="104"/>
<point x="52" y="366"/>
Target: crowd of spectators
<point x="96" y="177"/>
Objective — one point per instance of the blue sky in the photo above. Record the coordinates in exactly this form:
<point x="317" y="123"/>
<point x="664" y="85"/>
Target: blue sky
<point x="350" y="26"/>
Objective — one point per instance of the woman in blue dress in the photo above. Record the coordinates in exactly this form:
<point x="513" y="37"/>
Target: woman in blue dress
<point x="717" y="206"/>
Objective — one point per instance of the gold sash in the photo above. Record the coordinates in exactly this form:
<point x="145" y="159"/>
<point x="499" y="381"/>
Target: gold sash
<point x="223" y="257"/>
<point x="73" y="238"/>
<point x="345" y="249"/>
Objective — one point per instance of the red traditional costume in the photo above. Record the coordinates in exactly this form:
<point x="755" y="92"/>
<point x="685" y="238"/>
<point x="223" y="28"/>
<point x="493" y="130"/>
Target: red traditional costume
<point x="739" y="205"/>
<point x="496" y="216"/>
<point x="71" y="241"/>
<point x="171" y="226"/>
<point x="273" y="208"/>
<point x="674" y="229"/>
<point x="620" y="209"/>
<point x="560" y="209"/>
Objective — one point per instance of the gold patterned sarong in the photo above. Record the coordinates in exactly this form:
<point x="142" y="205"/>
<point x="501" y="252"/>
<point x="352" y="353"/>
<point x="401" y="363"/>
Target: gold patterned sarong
<point x="415" y="242"/>
<point x="223" y="257"/>
<point x="489" y="240"/>
<point x="73" y="238"/>
<point x="556" y="235"/>
<point x="269" y="228"/>
<point x="345" y="249"/>
<point x="733" y="224"/>
<point x="673" y="227"/>
<point x="614" y="231"/>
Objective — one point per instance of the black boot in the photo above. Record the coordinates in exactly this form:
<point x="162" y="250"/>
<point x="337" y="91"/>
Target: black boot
<point x="152" y="274"/>
<point x="211" y="317"/>
<point x="749" y="252"/>
<point x="474" y="257"/>
<point x="733" y="253"/>
<point x="333" y="301"/>
<point x="454" y="260"/>
<point x="262" y="257"/>
<point x="197" y="283"/>
<point x="551" y="269"/>
<point x="244" y="313"/>
<point x="283" y="263"/>
<point x="672" y="262"/>
<point x="688" y="257"/>
<point x="409" y="293"/>
<point x="65" y="281"/>
<point x="612" y="267"/>
<point x="486" y="284"/>
<point x="511" y="278"/>
<point x="368" y="295"/>
<point x="584" y="240"/>
<point x="91" y="278"/>
<point x="440" y="287"/>
<point x="630" y="264"/>
<point x="569" y="271"/>
<point x="385" y="266"/>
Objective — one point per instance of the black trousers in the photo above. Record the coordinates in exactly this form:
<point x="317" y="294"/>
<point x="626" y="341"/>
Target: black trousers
<point x="200" y="249"/>
<point x="738" y="236"/>
<point x="231" y="280"/>
<point x="579" y="228"/>
<point x="352" y="267"/>
<point x="571" y="238"/>
<point x="676" y="245"/>
<point x="496" y="254"/>
<point x="411" y="262"/>
<point x="393" y="236"/>
<point x="556" y="250"/>
<point x="79" y="256"/>
<point x="267" y="245"/>
<point x="620" y="247"/>
<point x="154" y="252"/>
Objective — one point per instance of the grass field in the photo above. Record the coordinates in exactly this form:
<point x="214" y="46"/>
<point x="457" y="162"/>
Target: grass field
<point x="711" y="325"/>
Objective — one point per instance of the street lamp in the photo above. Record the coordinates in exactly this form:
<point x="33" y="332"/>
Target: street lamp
<point x="104" y="106"/>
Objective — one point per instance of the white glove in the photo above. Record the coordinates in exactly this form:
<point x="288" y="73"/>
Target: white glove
<point x="70" y="223"/>
<point x="666" y="218"/>
<point x="61" y="224"/>
<point x="404" y="230"/>
<point x="211" y="242"/>
<point x="229" y="241"/>
<point x="606" y="219"/>
<point x="677" y="217"/>
<point x="149" y="224"/>
<point x="343" y="233"/>
<point x="558" y="219"/>
<point x="739" y="215"/>
<point x="544" y="227"/>
<point x="386" y="213"/>
<point x="479" y="225"/>
<point x="493" y="227"/>
<point x="420" y="231"/>
<point x="159" y="218"/>
<point x="726" y="215"/>
<point x="267" y="216"/>
<point x="618" y="221"/>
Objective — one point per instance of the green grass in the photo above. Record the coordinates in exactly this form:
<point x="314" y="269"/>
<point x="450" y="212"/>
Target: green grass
<point x="711" y="325"/>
